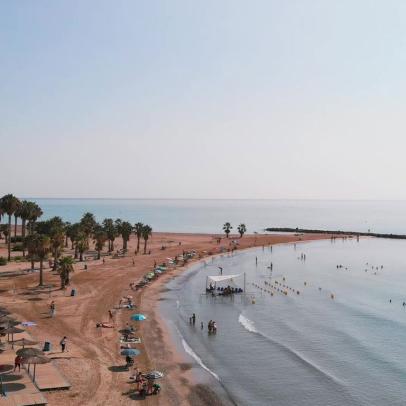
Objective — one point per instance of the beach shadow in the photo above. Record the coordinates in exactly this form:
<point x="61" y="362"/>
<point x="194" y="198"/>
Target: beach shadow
<point x="35" y="299"/>
<point x="133" y="395"/>
<point x="118" y="368"/>
<point x="13" y="387"/>
<point x="11" y="377"/>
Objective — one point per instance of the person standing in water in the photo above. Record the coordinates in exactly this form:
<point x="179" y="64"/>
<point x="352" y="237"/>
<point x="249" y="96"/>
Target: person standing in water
<point x="193" y="318"/>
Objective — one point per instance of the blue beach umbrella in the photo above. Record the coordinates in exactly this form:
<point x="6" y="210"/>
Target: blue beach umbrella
<point x="131" y="352"/>
<point x="138" y="317"/>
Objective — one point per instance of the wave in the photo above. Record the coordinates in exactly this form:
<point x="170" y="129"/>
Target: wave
<point x="189" y="350"/>
<point x="249" y="325"/>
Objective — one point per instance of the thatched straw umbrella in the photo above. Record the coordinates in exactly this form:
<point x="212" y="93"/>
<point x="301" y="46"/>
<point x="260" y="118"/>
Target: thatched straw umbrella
<point x="12" y="331"/>
<point x="22" y="342"/>
<point x="35" y="360"/>
<point x="29" y="352"/>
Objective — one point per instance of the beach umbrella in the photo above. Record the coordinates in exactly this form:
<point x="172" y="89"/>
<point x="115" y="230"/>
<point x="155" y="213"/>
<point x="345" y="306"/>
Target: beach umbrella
<point x="35" y="360"/>
<point x="6" y="318"/>
<point x="29" y="352"/>
<point x="12" y="331"/>
<point x="154" y="375"/>
<point x="22" y="342"/>
<point x="131" y="352"/>
<point x="4" y="369"/>
<point x="138" y="317"/>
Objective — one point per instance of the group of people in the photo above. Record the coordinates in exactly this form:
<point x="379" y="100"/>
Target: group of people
<point x="145" y="385"/>
<point x="211" y="327"/>
<point x="228" y="290"/>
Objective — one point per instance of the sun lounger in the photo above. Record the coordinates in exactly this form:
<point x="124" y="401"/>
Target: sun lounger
<point x="130" y="340"/>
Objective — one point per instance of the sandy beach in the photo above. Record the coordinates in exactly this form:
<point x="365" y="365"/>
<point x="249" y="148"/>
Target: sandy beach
<point x="93" y="364"/>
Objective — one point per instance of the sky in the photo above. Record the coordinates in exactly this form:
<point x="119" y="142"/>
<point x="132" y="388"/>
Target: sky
<point x="297" y="99"/>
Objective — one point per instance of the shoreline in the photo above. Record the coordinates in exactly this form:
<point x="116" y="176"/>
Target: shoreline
<point x="93" y="364"/>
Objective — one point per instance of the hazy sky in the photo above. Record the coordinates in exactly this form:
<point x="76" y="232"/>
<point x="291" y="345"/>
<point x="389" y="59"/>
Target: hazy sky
<point x="211" y="99"/>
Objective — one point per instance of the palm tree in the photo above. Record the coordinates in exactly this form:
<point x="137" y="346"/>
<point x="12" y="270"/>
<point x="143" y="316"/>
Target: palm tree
<point x="66" y="227"/>
<point x="99" y="239"/>
<point x="125" y="229"/>
<point x="242" y="229"/>
<point x="30" y="243"/>
<point x="227" y="228"/>
<point x="38" y="246"/>
<point x="9" y="204"/>
<point x="138" y="232"/>
<point x="88" y="223"/>
<point x="17" y="214"/>
<point x="82" y="244"/>
<point x="25" y="212"/>
<point x="65" y="267"/>
<point x="55" y="228"/>
<point x="111" y="231"/>
<point x="35" y="214"/>
<point x="72" y="231"/>
<point x="146" y="232"/>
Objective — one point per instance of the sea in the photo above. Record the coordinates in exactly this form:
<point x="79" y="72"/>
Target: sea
<point x="340" y="341"/>
<point x="338" y="335"/>
<point x="208" y="216"/>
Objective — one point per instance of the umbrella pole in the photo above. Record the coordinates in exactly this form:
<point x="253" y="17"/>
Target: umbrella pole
<point x="34" y="371"/>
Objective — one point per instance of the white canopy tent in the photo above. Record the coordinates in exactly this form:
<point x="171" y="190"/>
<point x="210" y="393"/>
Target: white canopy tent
<point x="223" y="278"/>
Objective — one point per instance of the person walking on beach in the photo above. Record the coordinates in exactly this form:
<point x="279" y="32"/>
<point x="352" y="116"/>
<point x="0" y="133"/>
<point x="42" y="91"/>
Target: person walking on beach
<point x="256" y="260"/>
<point x="52" y="309"/>
<point x="221" y="270"/>
<point x="193" y="318"/>
<point x="63" y="343"/>
<point x="111" y="315"/>
<point x="17" y="362"/>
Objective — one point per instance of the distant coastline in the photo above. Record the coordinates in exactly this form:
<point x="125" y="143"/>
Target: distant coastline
<point x="339" y="232"/>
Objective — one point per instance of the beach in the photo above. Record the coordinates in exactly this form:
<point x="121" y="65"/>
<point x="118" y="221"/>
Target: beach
<point x="92" y="364"/>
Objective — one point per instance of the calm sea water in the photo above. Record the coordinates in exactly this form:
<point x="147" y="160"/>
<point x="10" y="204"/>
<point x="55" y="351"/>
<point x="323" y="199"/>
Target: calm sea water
<point x="306" y="349"/>
<point x="209" y="215"/>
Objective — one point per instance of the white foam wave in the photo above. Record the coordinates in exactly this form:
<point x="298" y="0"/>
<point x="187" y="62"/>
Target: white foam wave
<point x="247" y="324"/>
<point x="189" y="350"/>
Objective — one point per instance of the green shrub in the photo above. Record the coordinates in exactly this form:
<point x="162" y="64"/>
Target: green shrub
<point x="18" y="238"/>
<point x="3" y="261"/>
<point x="17" y="247"/>
<point x="17" y="258"/>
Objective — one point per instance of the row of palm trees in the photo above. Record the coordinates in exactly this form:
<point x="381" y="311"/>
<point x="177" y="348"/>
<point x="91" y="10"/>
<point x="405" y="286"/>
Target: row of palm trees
<point x="50" y="237"/>
<point x="227" y="227"/>
<point x="23" y="209"/>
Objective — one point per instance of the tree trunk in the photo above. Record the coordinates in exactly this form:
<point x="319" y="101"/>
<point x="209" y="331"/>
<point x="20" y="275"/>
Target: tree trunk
<point x="138" y="244"/>
<point x="23" y="234"/>
<point x="145" y="246"/>
<point x="62" y="281"/>
<point x="41" y="266"/>
<point x="32" y="264"/>
<point x="124" y="244"/>
<point x="55" y="264"/>
<point x="9" y="237"/>
<point x="98" y="254"/>
<point x="76" y="252"/>
<point x="15" y="226"/>
<point x="81" y="256"/>
<point x="66" y="241"/>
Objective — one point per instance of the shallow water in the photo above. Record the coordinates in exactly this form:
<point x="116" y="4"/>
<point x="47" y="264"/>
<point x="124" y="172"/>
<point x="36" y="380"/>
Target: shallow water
<point x="208" y="216"/>
<point x="306" y="349"/>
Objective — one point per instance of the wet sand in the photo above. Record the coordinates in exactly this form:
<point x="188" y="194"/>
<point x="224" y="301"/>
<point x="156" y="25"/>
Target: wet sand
<point x="93" y="364"/>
